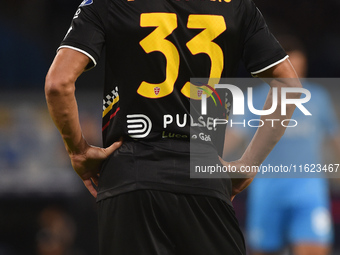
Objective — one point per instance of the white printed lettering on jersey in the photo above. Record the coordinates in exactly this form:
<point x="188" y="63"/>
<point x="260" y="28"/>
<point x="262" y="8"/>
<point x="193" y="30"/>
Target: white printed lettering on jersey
<point x="76" y="15"/>
<point x="139" y="125"/>
<point x="86" y="2"/>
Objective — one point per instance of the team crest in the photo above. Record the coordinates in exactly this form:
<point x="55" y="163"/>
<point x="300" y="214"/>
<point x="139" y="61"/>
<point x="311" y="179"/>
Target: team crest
<point x="86" y="2"/>
<point x="156" y="90"/>
<point x="199" y="92"/>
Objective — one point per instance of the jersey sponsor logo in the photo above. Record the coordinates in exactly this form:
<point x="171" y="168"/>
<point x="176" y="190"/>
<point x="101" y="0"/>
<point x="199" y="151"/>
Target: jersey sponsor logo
<point x="167" y="134"/>
<point x="204" y="137"/>
<point x="139" y="125"/>
<point x="184" y="120"/>
<point x="86" y="2"/>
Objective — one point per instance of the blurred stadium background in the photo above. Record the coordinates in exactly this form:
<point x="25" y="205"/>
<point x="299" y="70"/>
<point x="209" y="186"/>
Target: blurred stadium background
<point x="41" y="198"/>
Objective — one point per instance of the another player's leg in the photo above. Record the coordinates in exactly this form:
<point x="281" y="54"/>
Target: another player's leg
<point x="311" y="226"/>
<point x="266" y="219"/>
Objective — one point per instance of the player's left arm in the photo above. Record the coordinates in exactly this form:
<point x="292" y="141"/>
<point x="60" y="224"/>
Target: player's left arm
<point x="86" y="160"/>
<point x="330" y="122"/>
<point x="266" y="137"/>
<point x="335" y="143"/>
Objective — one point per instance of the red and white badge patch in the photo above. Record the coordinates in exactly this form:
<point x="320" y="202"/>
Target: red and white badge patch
<point x="156" y="90"/>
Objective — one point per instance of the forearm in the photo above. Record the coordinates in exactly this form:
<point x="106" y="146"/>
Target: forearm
<point x="86" y="160"/>
<point x="63" y="109"/>
<point x="60" y="97"/>
<point x="267" y="136"/>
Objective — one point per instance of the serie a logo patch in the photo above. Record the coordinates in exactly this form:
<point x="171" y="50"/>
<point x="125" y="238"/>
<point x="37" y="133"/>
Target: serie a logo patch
<point x="86" y="2"/>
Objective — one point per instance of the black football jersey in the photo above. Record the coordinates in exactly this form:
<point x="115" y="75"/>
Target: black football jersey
<point x="153" y="48"/>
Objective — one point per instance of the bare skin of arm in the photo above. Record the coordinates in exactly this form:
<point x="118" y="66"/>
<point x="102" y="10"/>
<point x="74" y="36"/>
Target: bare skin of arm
<point x="86" y="160"/>
<point x="267" y="136"/>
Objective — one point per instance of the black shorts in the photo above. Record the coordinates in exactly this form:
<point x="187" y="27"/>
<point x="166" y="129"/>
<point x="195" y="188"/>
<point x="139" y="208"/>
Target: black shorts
<point x="149" y="222"/>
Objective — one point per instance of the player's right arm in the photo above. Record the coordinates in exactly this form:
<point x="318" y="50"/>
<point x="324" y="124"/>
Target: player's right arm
<point x="86" y="160"/>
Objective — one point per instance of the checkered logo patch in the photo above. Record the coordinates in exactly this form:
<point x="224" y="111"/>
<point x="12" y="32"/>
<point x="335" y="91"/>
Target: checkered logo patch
<point x="108" y="100"/>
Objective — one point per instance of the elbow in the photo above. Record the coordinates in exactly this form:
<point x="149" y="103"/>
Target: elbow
<point x="290" y="89"/>
<point x="58" y="86"/>
<point x="293" y="89"/>
<point x="292" y="83"/>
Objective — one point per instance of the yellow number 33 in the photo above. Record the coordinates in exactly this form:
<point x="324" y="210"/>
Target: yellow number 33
<point x="165" y="24"/>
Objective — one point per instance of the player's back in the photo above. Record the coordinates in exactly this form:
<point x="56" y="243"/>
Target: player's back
<point x="153" y="48"/>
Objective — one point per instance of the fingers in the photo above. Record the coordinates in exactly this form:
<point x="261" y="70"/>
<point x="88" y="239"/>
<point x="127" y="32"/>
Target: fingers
<point x="89" y="186"/>
<point x="89" y="172"/>
<point x="109" y="150"/>
<point x="222" y="161"/>
<point x="95" y="179"/>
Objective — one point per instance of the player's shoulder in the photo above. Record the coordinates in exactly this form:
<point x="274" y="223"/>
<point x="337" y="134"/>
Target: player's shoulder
<point x="85" y="3"/>
<point x="91" y="4"/>
<point x="249" y="4"/>
<point x="93" y="9"/>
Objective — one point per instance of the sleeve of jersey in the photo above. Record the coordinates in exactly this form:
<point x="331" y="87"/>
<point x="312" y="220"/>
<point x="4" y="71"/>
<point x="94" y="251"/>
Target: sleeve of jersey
<point x="86" y="34"/>
<point x="261" y="50"/>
